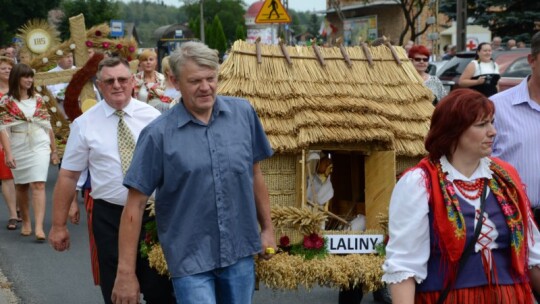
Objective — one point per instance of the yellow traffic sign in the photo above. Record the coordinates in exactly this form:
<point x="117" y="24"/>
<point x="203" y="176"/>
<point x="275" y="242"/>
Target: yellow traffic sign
<point x="272" y="11"/>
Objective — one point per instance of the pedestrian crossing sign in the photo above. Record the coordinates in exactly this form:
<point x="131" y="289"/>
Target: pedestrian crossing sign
<point x="272" y="11"/>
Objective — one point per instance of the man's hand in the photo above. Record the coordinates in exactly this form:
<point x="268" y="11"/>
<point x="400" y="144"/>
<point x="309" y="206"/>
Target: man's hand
<point x="268" y="241"/>
<point x="59" y="238"/>
<point x="126" y="289"/>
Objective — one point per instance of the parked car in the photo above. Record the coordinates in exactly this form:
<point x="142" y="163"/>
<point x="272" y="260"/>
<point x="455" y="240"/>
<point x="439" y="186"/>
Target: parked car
<point x="513" y="67"/>
<point x="450" y="72"/>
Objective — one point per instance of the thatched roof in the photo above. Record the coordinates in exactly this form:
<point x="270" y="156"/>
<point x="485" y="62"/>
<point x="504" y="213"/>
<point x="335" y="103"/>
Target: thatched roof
<point x="305" y="104"/>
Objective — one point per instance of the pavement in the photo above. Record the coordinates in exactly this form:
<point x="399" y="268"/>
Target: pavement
<point x="7" y="296"/>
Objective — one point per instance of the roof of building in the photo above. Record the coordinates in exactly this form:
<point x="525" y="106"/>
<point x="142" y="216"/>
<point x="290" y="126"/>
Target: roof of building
<point x="306" y="104"/>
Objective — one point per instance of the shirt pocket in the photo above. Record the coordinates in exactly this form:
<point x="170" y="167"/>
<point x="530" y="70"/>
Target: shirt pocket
<point x="240" y="155"/>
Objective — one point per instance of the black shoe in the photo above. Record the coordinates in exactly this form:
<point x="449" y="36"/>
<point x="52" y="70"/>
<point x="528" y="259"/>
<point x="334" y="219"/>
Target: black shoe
<point x="382" y="295"/>
<point x="351" y="296"/>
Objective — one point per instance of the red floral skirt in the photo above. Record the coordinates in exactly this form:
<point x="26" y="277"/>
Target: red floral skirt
<point x="501" y="294"/>
<point x="5" y="172"/>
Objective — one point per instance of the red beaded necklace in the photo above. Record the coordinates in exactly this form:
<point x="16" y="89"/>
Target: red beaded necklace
<point x="467" y="187"/>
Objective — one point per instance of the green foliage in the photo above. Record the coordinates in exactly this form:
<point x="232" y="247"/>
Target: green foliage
<point x="218" y="36"/>
<point x="240" y="33"/>
<point x="148" y="16"/>
<point x="230" y="12"/>
<point x="310" y="253"/>
<point x="150" y="239"/>
<point x="95" y="12"/>
<point x="515" y="21"/>
<point x="195" y="26"/>
<point x="18" y="12"/>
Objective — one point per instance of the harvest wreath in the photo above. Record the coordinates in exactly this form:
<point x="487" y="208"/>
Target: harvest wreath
<point x="306" y="263"/>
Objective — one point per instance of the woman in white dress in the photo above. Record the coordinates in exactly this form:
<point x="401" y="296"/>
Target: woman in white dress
<point x="28" y="140"/>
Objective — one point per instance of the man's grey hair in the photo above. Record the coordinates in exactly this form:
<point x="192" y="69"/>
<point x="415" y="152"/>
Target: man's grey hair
<point x="535" y="44"/>
<point x="111" y="62"/>
<point x="197" y="52"/>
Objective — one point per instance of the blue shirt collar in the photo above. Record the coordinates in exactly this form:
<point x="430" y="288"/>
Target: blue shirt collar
<point x="184" y="116"/>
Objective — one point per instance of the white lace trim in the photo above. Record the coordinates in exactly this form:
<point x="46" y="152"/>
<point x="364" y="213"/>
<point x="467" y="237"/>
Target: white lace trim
<point x="398" y="277"/>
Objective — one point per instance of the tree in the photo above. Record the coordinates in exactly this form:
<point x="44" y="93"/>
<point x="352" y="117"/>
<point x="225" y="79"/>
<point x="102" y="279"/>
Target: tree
<point x="18" y="12"/>
<point x="506" y="18"/>
<point x="95" y="12"/>
<point x="240" y="32"/>
<point x="230" y="12"/>
<point x="412" y="11"/>
<point x="218" y="36"/>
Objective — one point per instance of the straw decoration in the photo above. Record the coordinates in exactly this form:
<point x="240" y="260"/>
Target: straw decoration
<point x="303" y="220"/>
<point x="289" y="272"/>
<point x="307" y="103"/>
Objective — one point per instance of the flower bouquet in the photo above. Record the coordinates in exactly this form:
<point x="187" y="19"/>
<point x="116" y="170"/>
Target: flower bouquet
<point x="313" y="246"/>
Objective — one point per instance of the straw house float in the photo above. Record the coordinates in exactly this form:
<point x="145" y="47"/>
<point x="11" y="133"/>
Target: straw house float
<point x="366" y="106"/>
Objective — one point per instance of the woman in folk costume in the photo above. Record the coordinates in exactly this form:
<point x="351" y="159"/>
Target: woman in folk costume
<point x="442" y="248"/>
<point x="28" y="141"/>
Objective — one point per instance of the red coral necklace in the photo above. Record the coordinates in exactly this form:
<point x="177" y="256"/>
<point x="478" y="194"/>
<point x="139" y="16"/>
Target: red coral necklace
<point x="470" y="187"/>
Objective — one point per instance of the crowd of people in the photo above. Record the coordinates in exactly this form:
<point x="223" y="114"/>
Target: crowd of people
<point x="462" y="222"/>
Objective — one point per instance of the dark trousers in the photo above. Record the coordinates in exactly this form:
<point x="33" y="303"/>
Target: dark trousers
<point x="157" y="289"/>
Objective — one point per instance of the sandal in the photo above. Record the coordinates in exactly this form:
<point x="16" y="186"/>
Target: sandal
<point x="19" y="219"/>
<point x="12" y="224"/>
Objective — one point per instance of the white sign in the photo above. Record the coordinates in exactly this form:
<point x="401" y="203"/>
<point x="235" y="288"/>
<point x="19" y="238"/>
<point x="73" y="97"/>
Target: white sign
<point x="350" y="243"/>
<point x="117" y="28"/>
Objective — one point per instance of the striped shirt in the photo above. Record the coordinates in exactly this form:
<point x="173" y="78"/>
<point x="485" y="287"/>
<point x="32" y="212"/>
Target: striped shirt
<point x="517" y="120"/>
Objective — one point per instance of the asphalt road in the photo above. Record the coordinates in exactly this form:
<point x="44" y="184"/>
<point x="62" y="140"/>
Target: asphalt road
<point x="40" y="275"/>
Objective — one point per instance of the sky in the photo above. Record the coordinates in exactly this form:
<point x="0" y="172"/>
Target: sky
<point x="297" y="5"/>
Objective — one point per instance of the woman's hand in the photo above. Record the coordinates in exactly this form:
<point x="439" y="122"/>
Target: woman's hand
<point x="481" y="80"/>
<point x="55" y="160"/>
<point x="10" y="161"/>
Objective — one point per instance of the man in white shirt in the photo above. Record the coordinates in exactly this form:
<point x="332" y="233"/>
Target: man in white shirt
<point x="93" y="143"/>
<point x="58" y="90"/>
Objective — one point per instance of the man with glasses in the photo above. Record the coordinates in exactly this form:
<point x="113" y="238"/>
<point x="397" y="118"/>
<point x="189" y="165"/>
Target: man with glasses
<point x="100" y="140"/>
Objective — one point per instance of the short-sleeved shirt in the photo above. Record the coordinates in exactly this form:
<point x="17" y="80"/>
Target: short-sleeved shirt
<point x="203" y="173"/>
<point x="93" y="145"/>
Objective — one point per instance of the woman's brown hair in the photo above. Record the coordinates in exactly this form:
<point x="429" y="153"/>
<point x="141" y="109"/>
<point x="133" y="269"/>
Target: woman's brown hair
<point x="453" y="115"/>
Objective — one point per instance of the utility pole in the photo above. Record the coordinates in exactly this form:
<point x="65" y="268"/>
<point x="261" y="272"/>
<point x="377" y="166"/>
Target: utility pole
<point x="461" y="25"/>
<point x="202" y="20"/>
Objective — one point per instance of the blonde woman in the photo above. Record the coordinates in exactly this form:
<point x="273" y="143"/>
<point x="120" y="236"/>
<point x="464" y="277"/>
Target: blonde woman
<point x="148" y="82"/>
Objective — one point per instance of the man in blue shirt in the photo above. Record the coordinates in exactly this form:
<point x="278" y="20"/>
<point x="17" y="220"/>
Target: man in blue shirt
<point x="202" y="157"/>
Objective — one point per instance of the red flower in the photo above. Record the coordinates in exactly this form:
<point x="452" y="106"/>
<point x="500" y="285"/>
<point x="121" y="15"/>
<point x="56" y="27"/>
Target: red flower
<point x="148" y="238"/>
<point x="89" y="43"/>
<point x="119" y="46"/>
<point x="129" y="58"/>
<point x="131" y="49"/>
<point x="106" y="45"/>
<point x="313" y="241"/>
<point x="284" y="241"/>
<point x="98" y="33"/>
